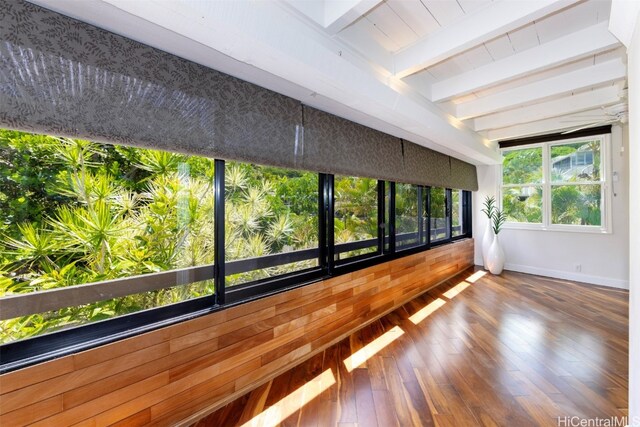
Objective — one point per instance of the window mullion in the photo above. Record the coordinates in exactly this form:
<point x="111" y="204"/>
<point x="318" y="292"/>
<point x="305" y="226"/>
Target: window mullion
<point x="218" y="231"/>
<point x="420" y="214"/>
<point x="330" y="206"/>
<point x="546" y="186"/>
<point x="382" y="228"/>
<point x="448" y="213"/>
<point x="392" y="217"/>
<point x="428" y="210"/>
<point x="606" y="182"/>
<point x="322" y="223"/>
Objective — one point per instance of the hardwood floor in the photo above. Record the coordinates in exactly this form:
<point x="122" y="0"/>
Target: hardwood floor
<point x="509" y="350"/>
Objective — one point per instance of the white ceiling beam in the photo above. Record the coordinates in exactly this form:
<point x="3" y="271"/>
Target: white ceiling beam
<point x="589" y="41"/>
<point x="313" y="10"/>
<point x="622" y="19"/>
<point x="565" y="83"/>
<point x="333" y="15"/>
<point x="558" y="107"/>
<point x="339" y="14"/>
<point x="541" y="127"/>
<point x="473" y="29"/>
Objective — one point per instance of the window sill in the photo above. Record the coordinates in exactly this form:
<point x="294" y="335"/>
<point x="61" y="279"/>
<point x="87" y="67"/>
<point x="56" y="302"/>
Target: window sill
<point x="556" y="228"/>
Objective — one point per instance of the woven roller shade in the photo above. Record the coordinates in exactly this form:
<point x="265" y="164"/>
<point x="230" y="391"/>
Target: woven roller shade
<point x="64" y="77"/>
<point x="424" y="166"/>
<point x="464" y="176"/>
<point x="339" y="146"/>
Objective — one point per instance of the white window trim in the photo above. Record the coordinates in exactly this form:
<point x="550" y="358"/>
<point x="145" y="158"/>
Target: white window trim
<point x="605" y="183"/>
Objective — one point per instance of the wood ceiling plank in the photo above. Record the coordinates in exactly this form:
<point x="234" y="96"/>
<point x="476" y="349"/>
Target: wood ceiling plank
<point x="469" y="6"/>
<point x="416" y="15"/>
<point x="500" y="47"/>
<point x="558" y="107"/>
<point x="524" y="38"/>
<point x="540" y="127"/>
<point x="446" y="12"/>
<point x="564" y="83"/>
<point x="582" y="43"/>
<point x="386" y="20"/>
<point x="461" y="32"/>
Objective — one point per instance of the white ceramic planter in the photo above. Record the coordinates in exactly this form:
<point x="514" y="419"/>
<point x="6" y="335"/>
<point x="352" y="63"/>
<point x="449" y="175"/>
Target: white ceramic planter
<point x="487" y="240"/>
<point x="495" y="257"/>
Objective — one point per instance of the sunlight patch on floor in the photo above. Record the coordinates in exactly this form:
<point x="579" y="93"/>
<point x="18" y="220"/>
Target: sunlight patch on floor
<point x="451" y="293"/>
<point x="368" y="351"/>
<point x="426" y="311"/>
<point x="277" y="413"/>
<point x="476" y="276"/>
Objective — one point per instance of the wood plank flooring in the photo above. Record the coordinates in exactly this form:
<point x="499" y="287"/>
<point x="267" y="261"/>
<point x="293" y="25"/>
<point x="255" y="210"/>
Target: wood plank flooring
<point x="509" y="350"/>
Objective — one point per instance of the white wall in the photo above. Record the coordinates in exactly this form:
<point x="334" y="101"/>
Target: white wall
<point x="634" y="215"/>
<point x="604" y="258"/>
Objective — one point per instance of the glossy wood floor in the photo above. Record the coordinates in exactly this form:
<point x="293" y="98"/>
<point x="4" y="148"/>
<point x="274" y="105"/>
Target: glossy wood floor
<point x="509" y="350"/>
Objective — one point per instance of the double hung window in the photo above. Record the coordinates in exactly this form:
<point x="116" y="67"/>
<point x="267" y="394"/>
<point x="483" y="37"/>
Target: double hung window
<point x="559" y="185"/>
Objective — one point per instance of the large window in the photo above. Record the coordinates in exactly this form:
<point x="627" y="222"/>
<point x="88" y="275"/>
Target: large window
<point x="410" y="216"/>
<point x="522" y="179"/>
<point x="557" y="185"/>
<point x="74" y="212"/>
<point x="269" y="211"/>
<point x="356" y="216"/>
<point x="457" y="213"/>
<point x="122" y="239"/>
<point x="440" y="221"/>
<point x="576" y="183"/>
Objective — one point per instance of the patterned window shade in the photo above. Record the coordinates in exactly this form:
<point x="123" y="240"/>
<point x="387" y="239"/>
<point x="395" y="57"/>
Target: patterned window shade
<point x="68" y="78"/>
<point x="432" y="167"/>
<point x="339" y="146"/>
<point x="464" y="176"/>
<point x="63" y="77"/>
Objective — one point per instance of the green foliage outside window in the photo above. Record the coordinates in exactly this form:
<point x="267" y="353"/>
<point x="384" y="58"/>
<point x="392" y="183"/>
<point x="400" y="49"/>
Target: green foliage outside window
<point x="356" y="212"/>
<point x="438" y="214"/>
<point x="522" y="166"/>
<point x="576" y="204"/>
<point x="76" y="212"/>
<point x="269" y="211"/>
<point x="523" y="204"/>
<point x="576" y="163"/>
<point x="456" y="213"/>
<point x="407" y="213"/>
<point x="574" y="175"/>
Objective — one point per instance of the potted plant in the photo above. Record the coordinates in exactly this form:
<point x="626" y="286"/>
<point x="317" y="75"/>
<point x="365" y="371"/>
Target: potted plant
<point x="487" y="238"/>
<point x="495" y="256"/>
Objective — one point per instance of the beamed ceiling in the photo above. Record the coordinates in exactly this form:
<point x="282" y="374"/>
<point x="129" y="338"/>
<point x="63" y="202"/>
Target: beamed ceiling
<point x="453" y="75"/>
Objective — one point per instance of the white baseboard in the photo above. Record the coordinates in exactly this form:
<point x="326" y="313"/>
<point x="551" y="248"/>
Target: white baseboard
<point x="567" y="275"/>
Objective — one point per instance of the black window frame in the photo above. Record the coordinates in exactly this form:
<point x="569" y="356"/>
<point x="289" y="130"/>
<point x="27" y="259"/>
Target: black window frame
<point x="348" y="264"/>
<point x="20" y="354"/>
<point x="423" y="240"/>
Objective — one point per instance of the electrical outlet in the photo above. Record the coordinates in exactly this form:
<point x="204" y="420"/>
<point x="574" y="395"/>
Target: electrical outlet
<point x="578" y="268"/>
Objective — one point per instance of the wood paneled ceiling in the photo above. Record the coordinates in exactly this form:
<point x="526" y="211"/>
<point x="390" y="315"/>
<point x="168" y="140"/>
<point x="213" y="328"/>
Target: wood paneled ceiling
<point x="531" y="66"/>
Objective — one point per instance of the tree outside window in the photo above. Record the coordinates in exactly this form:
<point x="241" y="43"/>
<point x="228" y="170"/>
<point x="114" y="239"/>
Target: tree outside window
<point x="555" y="184"/>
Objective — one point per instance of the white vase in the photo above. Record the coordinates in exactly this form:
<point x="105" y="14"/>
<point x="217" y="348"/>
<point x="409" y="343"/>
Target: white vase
<point x="487" y="239"/>
<point x="495" y="256"/>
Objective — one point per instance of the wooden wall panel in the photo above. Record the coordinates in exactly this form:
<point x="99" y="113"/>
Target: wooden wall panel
<point x="182" y="371"/>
